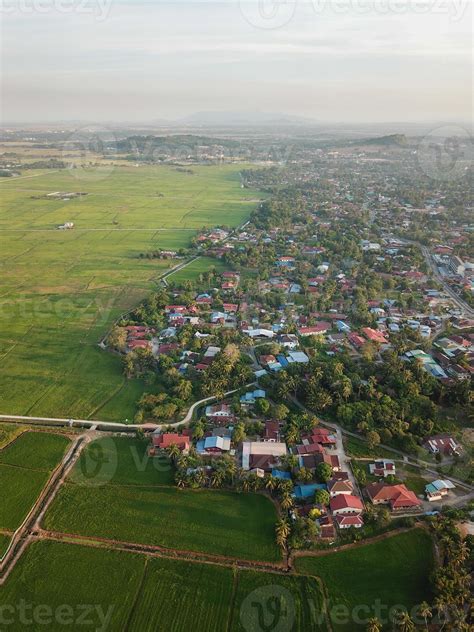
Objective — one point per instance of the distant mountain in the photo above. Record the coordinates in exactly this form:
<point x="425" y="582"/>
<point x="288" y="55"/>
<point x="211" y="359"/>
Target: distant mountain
<point x="385" y="141"/>
<point x="214" y="119"/>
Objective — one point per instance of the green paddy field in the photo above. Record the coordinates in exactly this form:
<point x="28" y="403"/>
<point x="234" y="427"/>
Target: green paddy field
<point x="131" y="592"/>
<point x="25" y="467"/>
<point x="61" y="290"/>
<point x="130" y="497"/>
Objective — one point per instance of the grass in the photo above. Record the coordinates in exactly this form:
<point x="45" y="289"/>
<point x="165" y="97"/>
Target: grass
<point x="22" y="489"/>
<point x="218" y="522"/>
<point x="393" y="571"/>
<point x="35" y="451"/>
<point x="194" y="269"/>
<point x="8" y="432"/>
<point x="116" y="491"/>
<point x="61" y="290"/>
<point x="122" y="461"/>
<point x="417" y="484"/>
<point x="129" y="591"/>
<point x="4" y="542"/>
<point x="177" y="595"/>
<point x="25" y="466"/>
<point x="287" y="602"/>
<point x="358" y="448"/>
<point x="51" y="574"/>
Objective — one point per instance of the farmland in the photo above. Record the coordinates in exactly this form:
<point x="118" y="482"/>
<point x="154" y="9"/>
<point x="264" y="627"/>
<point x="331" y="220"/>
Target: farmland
<point x="25" y="466"/>
<point x="61" y="290"/>
<point x="139" y="593"/>
<point x="218" y="522"/>
<point x="124" y="461"/>
<point x="8" y="432"/>
<point x="4" y="540"/>
<point x="300" y="600"/>
<point x="53" y="574"/>
<point x="206" y="591"/>
<point x="35" y="451"/>
<point x="394" y="571"/>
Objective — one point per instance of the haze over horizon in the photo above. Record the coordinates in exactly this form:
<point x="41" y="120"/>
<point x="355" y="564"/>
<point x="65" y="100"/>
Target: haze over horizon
<point x="141" y="62"/>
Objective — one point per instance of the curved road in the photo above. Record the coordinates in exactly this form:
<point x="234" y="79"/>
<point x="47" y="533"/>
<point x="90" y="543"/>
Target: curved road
<point x="113" y="426"/>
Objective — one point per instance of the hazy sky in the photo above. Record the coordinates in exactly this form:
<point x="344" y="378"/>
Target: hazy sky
<point x="113" y="60"/>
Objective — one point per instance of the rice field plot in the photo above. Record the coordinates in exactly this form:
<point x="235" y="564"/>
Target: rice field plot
<point x="35" y="451"/>
<point x="121" y="461"/>
<point x="8" y="432"/>
<point x="25" y="466"/>
<point x="179" y="596"/>
<point x="60" y="291"/>
<point x="71" y="587"/>
<point x="128" y="591"/>
<point x="207" y="521"/>
<point x="4" y="542"/>
<point x="392" y="572"/>
<point x="265" y="601"/>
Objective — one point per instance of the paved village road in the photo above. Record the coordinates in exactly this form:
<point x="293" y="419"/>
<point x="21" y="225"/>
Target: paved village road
<point x="113" y="426"/>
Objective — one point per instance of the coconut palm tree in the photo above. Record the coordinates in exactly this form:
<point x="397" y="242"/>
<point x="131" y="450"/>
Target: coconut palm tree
<point x="286" y="502"/>
<point x="425" y="612"/>
<point x="200" y="477"/>
<point x="270" y="483"/>
<point x="246" y="484"/>
<point x="282" y="531"/>
<point x="403" y="621"/>
<point x="374" y="625"/>
<point x="173" y="452"/>
<point x="292" y="435"/>
<point x="442" y="610"/>
<point x="217" y="478"/>
<point x="181" y="479"/>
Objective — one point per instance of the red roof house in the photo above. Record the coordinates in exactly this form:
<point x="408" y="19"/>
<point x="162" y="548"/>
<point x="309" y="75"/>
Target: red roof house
<point x="345" y="522"/>
<point x="397" y="496"/>
<point x="346" y="504"/>
<point x="165" y="440"/>
<point x="374" y="335"/>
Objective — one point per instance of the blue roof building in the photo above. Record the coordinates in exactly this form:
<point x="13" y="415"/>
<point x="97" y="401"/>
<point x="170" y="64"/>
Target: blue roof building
<point x="281" y="474"/>
<point x="302" y="492"/>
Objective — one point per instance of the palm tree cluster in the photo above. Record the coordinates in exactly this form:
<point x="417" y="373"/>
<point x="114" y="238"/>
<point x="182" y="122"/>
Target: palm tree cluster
<point x="192" y="471"/>
<point x="452" y="580"/>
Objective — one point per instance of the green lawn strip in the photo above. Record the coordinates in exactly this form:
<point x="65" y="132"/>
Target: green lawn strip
<point x="358" y="448"/>
<point x="121" y="461"/>
<point x="35" y="451"/>
<point x="267" y="601"/>
<point x="63" y="582"/>
<point x="178" y="596"/>
<point x="417" y="484"/>
<point x="216" y="522"/>
<point x="393" y="572"/>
